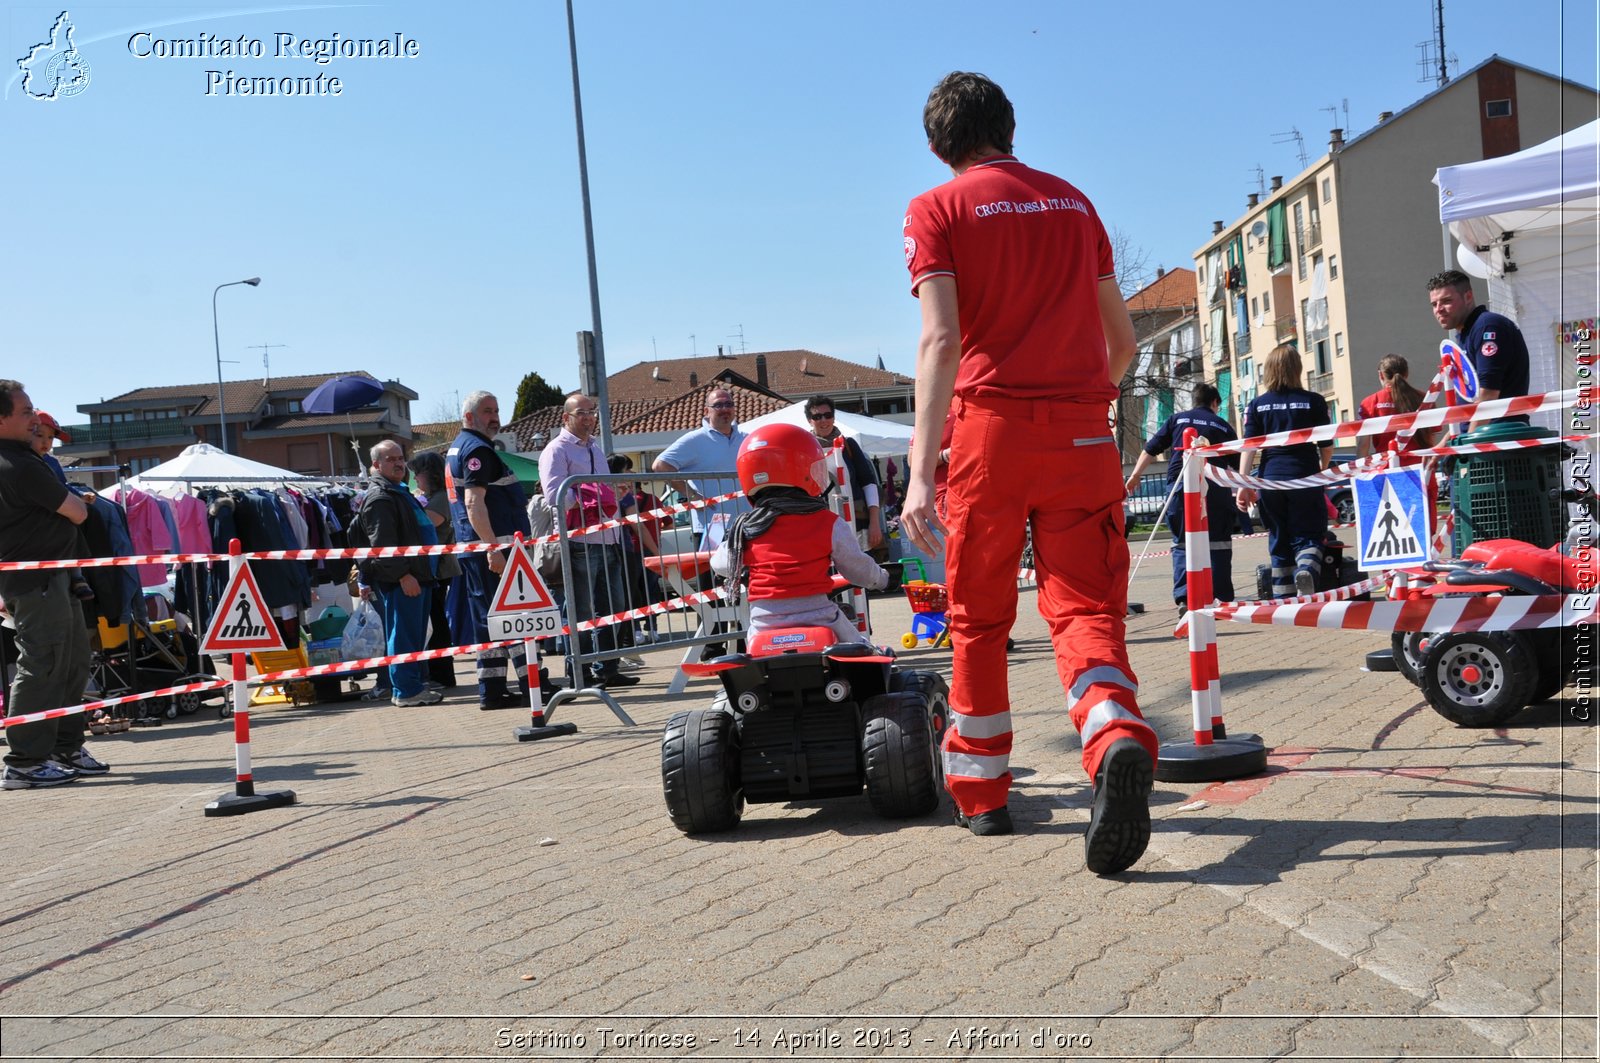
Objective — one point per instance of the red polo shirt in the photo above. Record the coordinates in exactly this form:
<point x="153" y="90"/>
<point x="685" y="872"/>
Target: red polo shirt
<point x="1028" y="253"/>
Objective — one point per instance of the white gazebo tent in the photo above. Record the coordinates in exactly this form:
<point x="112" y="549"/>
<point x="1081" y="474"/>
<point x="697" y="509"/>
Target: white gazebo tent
<point x="204" y="464"/>
<point x="1529" y="223"/>
<point x="877" y="437"/>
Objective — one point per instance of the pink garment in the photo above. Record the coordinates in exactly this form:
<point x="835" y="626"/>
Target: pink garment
<point x="194" y="531"/>
<point x="148" y="530"/>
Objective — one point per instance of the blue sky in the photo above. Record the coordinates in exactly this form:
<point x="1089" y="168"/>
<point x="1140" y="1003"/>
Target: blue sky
<point x="749" y="165"/>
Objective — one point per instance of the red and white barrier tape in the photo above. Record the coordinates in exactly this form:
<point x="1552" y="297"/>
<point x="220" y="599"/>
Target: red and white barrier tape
<point x="1494" y="408"/>
<point x="1430" y="399"/>
<point x="1485" y="613"/>
<point x="51" y="714"/>
<point x="1333" y="474"/>
<point x="355" y="552"/>
<point x="1337" y="594"/>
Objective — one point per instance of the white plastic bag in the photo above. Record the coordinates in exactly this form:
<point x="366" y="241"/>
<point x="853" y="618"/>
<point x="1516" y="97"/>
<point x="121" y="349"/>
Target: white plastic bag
<point x="363" y="634"/>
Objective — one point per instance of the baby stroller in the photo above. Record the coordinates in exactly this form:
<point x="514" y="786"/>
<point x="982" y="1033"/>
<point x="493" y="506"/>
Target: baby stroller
<point x="143" y="655"/>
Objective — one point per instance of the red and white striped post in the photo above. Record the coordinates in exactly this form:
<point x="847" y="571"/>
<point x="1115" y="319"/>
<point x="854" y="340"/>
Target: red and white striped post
<point x="845" y="503"/>
<point x="244" y="797"/>
<point x="1205" y="683"/>
<point x="1213" y="755"/>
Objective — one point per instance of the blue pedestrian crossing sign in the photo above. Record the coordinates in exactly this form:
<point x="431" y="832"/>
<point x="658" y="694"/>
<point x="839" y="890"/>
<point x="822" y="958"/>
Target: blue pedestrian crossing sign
<point x="1392" y="519"/>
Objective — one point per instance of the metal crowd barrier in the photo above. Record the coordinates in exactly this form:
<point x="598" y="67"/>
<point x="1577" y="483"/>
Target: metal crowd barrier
<point x="644" y="563"/>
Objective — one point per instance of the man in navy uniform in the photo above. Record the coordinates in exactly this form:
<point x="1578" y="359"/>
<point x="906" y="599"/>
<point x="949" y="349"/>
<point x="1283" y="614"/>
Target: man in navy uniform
<point x="1220" y="509"/>
<point x="1491" y="340"/>
<point x="487" y="504"/>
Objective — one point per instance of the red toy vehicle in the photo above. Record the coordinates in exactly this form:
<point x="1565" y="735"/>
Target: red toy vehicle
<point x="1483" y="678"/>
<point x="801" y="718"/>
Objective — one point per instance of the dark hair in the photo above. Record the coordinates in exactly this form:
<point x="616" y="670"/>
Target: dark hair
<point x="1205" y="395"/>
<point x="1450" y="278"/>
<point x="816" y="401"/>
<point x="966" y="113"/>
<point x="428" y="464"/>
<point x="619" y="462"/>
<point x="8" y="388"/>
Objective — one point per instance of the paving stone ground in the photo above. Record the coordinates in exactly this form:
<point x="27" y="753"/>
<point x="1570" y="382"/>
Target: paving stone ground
<point x="1394" y="887"/>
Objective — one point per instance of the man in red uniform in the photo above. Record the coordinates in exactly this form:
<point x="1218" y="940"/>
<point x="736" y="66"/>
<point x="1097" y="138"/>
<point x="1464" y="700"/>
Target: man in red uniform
<point x="1029" y="351"/>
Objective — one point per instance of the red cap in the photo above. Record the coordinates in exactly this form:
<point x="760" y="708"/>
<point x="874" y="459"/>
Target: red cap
<point x="46" y="421"/>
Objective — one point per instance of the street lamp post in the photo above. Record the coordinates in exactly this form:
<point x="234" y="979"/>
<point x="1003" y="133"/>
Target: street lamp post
<point x="222" y="412"/>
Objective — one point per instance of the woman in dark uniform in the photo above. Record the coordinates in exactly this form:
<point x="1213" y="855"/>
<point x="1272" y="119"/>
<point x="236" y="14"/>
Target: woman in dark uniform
<point x="1296" y="520"/>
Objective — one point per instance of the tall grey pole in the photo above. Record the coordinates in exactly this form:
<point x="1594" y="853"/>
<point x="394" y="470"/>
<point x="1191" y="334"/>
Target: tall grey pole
<point x="601" y="399"/>
<point x="216" y="342"/>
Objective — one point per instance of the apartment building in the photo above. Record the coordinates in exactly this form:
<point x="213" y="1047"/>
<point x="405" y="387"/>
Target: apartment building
<point x="1335" y="260"/>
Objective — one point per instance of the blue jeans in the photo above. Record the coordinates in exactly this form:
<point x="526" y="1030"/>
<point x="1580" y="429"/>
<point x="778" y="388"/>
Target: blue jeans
<point x="405" y="625"/>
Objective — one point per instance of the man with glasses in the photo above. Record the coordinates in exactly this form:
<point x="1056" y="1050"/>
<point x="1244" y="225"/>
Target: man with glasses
<point x="713" y="447"/>
<point x="598" y="586"/>
<point x="402" y="587"/>
<point x="865" y="506"/>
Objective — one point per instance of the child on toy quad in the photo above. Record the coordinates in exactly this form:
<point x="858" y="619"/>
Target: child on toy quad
<point x="789" y="538"/>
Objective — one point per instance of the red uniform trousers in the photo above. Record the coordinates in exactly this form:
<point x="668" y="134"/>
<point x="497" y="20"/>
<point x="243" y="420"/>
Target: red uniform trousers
<point x="1016" y="462"/>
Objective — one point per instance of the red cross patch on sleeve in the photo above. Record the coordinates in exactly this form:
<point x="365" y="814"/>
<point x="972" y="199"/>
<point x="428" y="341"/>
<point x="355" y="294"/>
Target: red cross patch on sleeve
<point x="1488" y="350"/>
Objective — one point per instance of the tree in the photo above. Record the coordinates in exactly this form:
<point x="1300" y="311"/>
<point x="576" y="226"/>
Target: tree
<point x="1132" y="261"/>
<point x="534" y="393"/>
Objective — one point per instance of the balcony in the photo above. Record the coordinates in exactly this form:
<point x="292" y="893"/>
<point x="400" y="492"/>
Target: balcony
<point x="1314" y="235"/>
<point x="1321" y="383"/>
<point x="1241" y="342"/>
<point x="128" y="431"/>
<point x="1285" y="329"/>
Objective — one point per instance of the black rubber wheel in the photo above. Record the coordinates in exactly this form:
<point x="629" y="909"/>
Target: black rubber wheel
<point x="700" y="771"/>
<point x="1556" y="651"/>
<point x="187" y="704"/>
<point x="1346" y="505"/>
<point x="1409" y="647"/>
<point x="936" y="693"/>
<point x="1478" y="678"/>
<point x="167" y="707"/>
<point x="899" y="755"/>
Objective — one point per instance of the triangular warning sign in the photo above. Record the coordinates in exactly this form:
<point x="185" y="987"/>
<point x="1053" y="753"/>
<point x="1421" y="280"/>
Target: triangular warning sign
<point x="521" y="589"/>
<point x="1393" y="537"/>
<point x="242" y="621"/>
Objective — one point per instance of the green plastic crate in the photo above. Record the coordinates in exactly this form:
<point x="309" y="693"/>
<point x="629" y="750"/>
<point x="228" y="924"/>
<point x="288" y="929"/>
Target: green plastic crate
<point x="1507" y="494"/>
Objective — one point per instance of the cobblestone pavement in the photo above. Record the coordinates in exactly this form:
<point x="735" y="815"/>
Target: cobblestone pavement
<point x="1394" y="887"/>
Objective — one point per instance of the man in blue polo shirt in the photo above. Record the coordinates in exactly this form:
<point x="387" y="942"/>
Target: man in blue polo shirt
<point x="1491" y="340"/>
<point x="713" y="447"/>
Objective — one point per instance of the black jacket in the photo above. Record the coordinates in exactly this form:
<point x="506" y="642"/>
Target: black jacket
<point x="388" y="517"/>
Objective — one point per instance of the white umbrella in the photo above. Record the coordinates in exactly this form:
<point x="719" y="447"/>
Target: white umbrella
<point x="877" y="437"/>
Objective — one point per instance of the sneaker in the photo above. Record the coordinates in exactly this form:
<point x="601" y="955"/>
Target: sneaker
<point x="81" y="762"/>
<point x="984" y="824"/>
<point x="1305" y="582"/>
<point x="378" y="694"/>
<point x="47" y="774"/>
<point x="421" y="697"/>
<point x="1119" y="826"/>
<point x="632" y="664"/>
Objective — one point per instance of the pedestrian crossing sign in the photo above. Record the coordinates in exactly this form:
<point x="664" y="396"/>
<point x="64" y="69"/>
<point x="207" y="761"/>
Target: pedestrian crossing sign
<point x="242" y="622"/>
<point x="1392" y="519"/>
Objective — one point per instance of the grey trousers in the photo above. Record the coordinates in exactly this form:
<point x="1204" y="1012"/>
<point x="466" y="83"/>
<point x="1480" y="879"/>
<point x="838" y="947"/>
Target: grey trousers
<point x="52" y="669"/>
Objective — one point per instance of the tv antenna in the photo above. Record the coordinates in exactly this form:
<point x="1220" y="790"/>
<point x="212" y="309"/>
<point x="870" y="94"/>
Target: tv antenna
<point x="739" y="335"/>
<point x="266" y="351"/>
<point x="1333" y="113"/>
<point x="1299" y="143"/>
<point x="1433" y="52"/>
<point x="1261" y="178"/>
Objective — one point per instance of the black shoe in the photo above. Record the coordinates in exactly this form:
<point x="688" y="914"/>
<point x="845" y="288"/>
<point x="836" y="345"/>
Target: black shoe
<point x="984" y="824"/>
<point x="503" y="700"/>
<point x="1119" y="826"/>
<point x="713" y="650"/>
<point x="613" y="679"/>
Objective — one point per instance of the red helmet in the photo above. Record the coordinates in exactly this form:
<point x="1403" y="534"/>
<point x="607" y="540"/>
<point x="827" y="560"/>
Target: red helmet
<point x="782" y="455"/>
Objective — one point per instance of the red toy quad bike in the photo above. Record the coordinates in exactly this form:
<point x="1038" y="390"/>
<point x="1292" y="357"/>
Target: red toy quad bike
<point x="1484" y="678"/>
<point x="801" y="718"/>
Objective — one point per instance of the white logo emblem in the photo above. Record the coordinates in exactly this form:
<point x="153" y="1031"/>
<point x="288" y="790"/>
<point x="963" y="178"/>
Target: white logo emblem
<point x="55" y="69"/>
